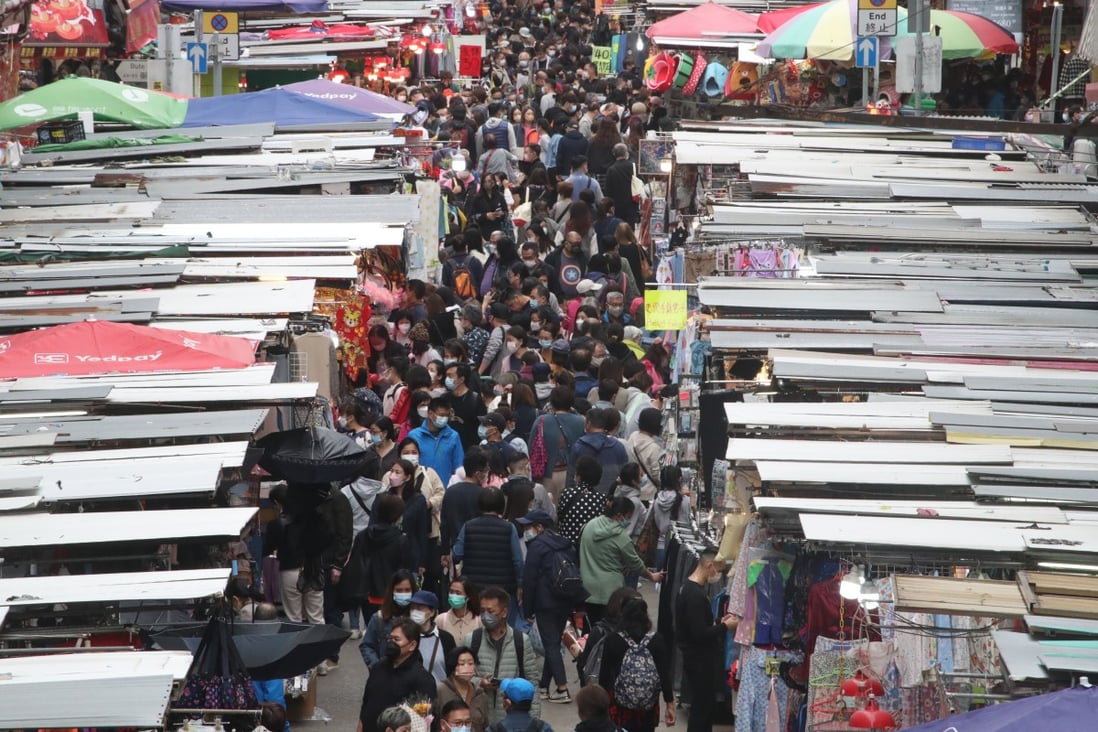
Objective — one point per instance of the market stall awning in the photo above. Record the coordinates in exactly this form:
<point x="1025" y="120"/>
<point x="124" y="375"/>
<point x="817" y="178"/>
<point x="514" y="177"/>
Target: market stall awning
<point x="127" y="689"/>
<point x="705" y="24"/>
<point x="283" y="107"/>
<point x="351" y="97"/>
<point x="66" y="98"/>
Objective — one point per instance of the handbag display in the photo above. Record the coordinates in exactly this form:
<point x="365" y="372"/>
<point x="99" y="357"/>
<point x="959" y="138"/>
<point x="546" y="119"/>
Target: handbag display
<point x="217" y="678"/>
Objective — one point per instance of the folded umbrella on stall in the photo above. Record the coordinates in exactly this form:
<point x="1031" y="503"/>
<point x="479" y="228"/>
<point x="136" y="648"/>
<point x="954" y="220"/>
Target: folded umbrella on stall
<point x="217" y="678"/>
<point x="268" y="650"/>
<point x="312" y="455"/>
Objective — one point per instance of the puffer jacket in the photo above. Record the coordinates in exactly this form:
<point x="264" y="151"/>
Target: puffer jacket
<point x="606" y="556"/>
<point x="500" y="661"/>
<point x="648" y="452"/>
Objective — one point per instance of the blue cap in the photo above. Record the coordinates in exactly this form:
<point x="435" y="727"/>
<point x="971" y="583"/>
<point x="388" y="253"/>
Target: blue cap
<point x="423" y="597"/>
<point x="537" y="516"/>
<point x="517" y="690"/>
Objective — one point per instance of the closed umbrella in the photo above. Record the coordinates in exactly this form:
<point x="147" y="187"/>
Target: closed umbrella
<point x="108" y="101"/>
<point x="269" y="650"/>
<point x="313" y="455"/>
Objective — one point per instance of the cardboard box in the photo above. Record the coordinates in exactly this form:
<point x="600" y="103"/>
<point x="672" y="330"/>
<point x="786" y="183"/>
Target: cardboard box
<point x="303" y="708"/>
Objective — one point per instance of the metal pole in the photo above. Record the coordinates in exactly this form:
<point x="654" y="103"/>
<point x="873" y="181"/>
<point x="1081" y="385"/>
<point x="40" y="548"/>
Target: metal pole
<point x="198" y="39"/>
<point x="215" y="52"/>
<point x="918" y="6"/>
<point x="1054" y="49"/>
<point x="865" y="87"/>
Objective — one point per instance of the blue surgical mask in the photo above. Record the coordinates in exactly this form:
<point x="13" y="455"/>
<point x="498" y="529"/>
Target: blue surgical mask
<point x="544" y="343"/>
<point x="404" y="599"/>
<point x="441" y="422"/>
<point x="376" y="439"/>
<point x="529" y="535"/>
<point x="625" y="523"/>
<point x="482" y="432"/>
<point x="449" y="384"/>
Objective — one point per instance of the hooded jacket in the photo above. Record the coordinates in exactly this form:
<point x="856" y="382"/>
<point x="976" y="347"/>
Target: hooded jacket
<point x="648" y="452"/>
<point x="537" y="578"/>
<point x="606" y="556"/>
<point x="608" y="450"/>
<point x="663" y="506"/>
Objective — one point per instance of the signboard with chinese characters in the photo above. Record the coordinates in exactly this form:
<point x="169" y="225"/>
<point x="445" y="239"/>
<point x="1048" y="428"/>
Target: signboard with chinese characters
<point x="602" y="57"/>
<point x="665" y="309"/>
<point x="877" y="17"/>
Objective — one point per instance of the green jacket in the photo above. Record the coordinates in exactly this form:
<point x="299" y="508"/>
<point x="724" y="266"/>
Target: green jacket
<point x="606" y="556"/>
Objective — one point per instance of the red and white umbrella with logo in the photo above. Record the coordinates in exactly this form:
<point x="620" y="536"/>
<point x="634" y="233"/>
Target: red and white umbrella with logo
<point x="102" y="347"/>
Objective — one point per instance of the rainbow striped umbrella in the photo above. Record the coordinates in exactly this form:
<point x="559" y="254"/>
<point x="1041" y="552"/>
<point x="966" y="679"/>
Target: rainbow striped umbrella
<point x="827" y="31"/>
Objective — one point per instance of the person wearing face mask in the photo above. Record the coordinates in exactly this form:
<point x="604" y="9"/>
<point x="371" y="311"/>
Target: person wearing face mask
<point x="440" y="447"/>
<point x="454" y="714"/>
<point x="394" y="607"/>
<point x="607" y="555"/>
<point x="701" y="639"/>
<point x="569" y="263"/>
<point x="466" y="403"/>
<point x="541" y="602"/>
<point x="416" y="519"/>
<point x="502" y="652"/>
<point x="463" y="615"/>
<point x="381" y="441"/>
<point x="434" y="644"/>
<point x="397" y="677"/>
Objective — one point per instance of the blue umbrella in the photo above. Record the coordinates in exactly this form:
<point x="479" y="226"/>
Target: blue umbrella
<point x="283" y="108"/>
<point x="1070" y="710"/>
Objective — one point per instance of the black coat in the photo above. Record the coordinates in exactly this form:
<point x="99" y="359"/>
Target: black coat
<point x="388" y="686"/>
<point x="619" y="187"/>
<point x="459" y="504"/>
<point x="481" y="205"/>
<point x="386" y="550"/>
<point x="571" y="145"/>
<point x="537" y="576"/>
<point x="488" y="558"/>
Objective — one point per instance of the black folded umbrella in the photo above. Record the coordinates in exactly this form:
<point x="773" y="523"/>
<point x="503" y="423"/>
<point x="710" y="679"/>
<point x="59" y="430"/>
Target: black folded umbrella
<point x="312" y="455"/>
<point x="269" y="650"/>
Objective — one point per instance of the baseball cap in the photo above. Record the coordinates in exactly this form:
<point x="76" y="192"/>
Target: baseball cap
<point x="561" y="346"/>
<point x="541" y="372"/>
<point x="537" y="516"/>
<point x="517" y="690"/>
<point x="495" y="419"/>
<point x="525" y="32"/>
<point x="585" y="286"/>
<point x="423" y="597"/>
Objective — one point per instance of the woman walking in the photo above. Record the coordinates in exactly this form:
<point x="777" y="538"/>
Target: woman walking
<point x="636" y="670"/>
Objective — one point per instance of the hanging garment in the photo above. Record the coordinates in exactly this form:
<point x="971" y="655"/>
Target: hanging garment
<point x="753" y="700"/>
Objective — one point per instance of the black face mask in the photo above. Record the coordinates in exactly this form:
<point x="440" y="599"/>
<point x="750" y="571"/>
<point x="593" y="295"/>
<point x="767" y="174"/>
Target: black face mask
<point x="392" y="651"/>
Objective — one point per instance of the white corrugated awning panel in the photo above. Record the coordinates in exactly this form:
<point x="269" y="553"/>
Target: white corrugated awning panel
<point x="862" y="473"/>
<point x="740" y="448"/>
<point x="984" y="536"/>
<point x="39" y="529"/>
<point x="968" y="510"/>
<point x="184" y="584"/>
<point x="230" y="454"/>
<point x="260" y="373"/>
<point x="1020" y="654"/>
<point x="196" y="394"/>
<point x="90" y="689"/>
<point x="913" y="414"/>
<point x="121" y="478"/>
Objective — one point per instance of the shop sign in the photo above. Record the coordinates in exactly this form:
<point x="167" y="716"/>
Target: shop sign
<point x="665" y="309"/>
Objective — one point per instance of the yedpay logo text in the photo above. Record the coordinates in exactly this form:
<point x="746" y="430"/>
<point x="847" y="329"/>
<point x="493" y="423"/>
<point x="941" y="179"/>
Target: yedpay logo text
<point x="61" y="358"/>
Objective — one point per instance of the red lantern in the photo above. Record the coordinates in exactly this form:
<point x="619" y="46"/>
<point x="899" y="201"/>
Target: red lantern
<point x="872" y="717"/>
<point x="438" y="48"/>
<point x="861" y="685"/>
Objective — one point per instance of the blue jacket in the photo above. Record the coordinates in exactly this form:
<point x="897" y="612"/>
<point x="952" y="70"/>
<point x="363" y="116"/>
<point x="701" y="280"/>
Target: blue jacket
<point x="442" y="452"/>
<point x="537" y="579"/>
<point x="609" y="451"/>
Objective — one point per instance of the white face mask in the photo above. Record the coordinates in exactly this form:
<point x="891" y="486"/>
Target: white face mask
<point x="413" y="459"/>
<point x="419" y="617"/>
<point x="422" y="412"/>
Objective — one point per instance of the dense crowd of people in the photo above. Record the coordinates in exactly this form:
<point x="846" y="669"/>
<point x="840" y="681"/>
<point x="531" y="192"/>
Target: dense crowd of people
<point x="518" y="487"/>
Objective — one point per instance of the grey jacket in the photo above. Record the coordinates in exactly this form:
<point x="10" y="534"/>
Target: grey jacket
<point x="500" y="661"/>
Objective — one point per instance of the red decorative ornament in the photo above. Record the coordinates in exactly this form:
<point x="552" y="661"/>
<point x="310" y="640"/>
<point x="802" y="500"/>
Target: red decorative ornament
<point x="872" y="717"/>
<point x="438" y="48"/>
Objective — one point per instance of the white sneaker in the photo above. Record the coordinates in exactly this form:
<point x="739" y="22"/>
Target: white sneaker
<point x="356" y="634"/>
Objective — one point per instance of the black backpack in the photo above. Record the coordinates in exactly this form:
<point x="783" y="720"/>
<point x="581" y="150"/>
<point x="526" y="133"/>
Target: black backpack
<point x="564" y="576"/>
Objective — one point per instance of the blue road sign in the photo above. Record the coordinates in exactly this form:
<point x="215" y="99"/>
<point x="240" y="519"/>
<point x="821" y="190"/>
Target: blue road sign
<point x="866" y="52"/>
<point x="197" y="53"/>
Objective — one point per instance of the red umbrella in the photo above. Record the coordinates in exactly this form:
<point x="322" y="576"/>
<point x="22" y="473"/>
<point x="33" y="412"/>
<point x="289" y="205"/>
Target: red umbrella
<point x="102" y="347"/>
<point x="706" y="21"/>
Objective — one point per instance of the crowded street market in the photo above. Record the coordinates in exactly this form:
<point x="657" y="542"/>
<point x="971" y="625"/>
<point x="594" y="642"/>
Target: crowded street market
<point x="531" y="365"/>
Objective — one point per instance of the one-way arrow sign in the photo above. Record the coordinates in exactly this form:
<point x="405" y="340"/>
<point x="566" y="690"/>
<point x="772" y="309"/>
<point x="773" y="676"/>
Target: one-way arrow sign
<point x="865" y="52"/>
<point x="196" y="54"/>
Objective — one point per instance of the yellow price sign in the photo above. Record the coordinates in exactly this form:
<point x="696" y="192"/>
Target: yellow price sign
<point x="603" y="59"/>
<point x="665" y="309"/>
